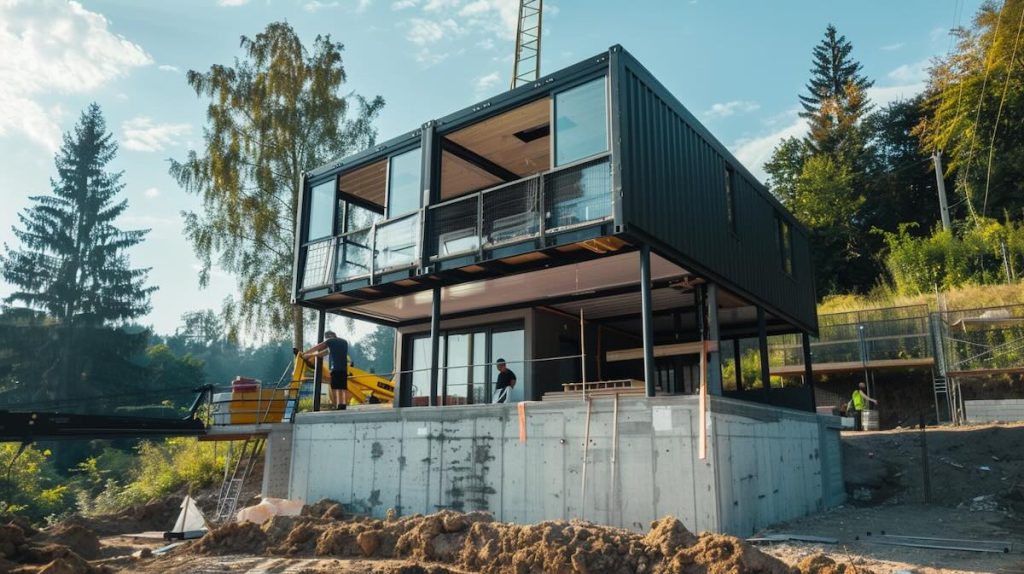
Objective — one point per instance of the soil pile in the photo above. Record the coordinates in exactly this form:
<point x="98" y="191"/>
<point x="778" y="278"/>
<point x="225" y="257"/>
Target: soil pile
<point x="474" y="542"/>
<point x="158" y="514"/>
<point x="25" y="551"/>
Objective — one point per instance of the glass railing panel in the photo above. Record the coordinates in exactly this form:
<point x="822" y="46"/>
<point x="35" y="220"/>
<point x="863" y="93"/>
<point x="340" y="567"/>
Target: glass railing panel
<point x="353" y="255"/>
<point x="318" y="264"/>
<point x="511" y="212"/>
<point x="457" y="227"/>
<point x="578" y="194"/>
<point x="397" y="243"/>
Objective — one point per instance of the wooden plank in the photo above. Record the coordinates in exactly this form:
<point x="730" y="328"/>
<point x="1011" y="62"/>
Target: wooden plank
<point x="997" y="547"/>
<point x="672" y="350"/>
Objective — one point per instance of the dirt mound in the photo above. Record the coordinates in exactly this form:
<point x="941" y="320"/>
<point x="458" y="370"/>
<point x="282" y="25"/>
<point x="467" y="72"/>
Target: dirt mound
<point x="158" y="514"/>
<point x="476" y="543"/>
<point x="821" y="564"/>
<point x="233" y="538"/>
<point x="326" y="508"/>
<point x="83" y="541"/>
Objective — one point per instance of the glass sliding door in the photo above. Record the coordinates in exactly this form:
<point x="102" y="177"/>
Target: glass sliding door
<point x="510" y="345"/>
<point x="456" y="388"/>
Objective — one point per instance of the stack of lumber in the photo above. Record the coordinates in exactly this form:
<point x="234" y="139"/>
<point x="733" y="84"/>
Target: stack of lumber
<point x="575" y="391"/>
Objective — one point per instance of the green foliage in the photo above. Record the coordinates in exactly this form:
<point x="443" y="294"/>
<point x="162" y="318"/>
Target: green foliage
<point x="975" y="104"/>
<point x="946" y="260"/>
<point x="833" y="74"/>
<point x="29" y="486"/>
<point x="273" y="115"/>
<point x="72" y="263"/>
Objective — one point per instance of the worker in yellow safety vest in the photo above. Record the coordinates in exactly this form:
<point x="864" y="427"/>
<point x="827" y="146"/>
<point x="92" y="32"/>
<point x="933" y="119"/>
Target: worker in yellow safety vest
<point x="857" y="403"/>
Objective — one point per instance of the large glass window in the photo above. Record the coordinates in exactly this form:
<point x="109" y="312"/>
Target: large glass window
<point x="321" y="211"/>
<point x="467" y="372"/>
<point x="404" y="183"/>
<point x="785" y="238"/>
<point x="581" y="122"/>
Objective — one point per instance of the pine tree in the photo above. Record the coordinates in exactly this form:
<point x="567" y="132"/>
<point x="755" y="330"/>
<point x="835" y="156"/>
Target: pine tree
<point x="833" y="73"/>
<point x="72" y="262"/>
<point x="72" y="265"/>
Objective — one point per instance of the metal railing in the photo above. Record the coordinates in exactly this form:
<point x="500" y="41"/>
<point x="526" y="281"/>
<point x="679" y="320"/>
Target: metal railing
<point x="254" y="404"/>
<point x="571" y="196"/>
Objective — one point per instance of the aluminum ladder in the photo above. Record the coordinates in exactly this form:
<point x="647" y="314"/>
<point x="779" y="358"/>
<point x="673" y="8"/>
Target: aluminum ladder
<point x="231" y="488"/>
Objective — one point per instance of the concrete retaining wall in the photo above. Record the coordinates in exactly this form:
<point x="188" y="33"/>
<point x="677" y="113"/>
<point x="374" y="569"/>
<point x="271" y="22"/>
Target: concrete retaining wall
<point x="764" y="464"/>
<point x="987" y="411"/>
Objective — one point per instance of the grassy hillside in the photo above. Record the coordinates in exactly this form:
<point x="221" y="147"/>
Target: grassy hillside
<point x="966" y="297"/>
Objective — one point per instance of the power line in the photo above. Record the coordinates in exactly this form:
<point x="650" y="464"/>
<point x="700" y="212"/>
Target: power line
<point x="977" y="115"/>
<point x="999" y="113"/>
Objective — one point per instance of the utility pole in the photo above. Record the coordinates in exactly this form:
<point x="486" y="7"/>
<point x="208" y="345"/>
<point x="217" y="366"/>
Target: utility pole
<point x="941" y="184"/>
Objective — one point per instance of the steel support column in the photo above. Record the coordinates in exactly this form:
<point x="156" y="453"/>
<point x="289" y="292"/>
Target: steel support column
<point x="646" y="307"/>
<point x="710" y="312"/>
<point x="318" y="369"/>
<point x="435" y="344"/>
<point x="762" y="345"/>
<point x="805" y="339"/>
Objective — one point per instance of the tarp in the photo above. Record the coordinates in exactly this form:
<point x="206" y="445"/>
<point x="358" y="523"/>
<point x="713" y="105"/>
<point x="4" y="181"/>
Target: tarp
<point x="190" y="523"/>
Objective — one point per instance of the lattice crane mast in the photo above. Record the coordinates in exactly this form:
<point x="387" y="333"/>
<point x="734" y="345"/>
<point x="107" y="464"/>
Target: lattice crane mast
<point x="526" y="67"/>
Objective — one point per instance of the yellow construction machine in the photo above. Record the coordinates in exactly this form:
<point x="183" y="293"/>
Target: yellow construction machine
<point x="363" y="386"/>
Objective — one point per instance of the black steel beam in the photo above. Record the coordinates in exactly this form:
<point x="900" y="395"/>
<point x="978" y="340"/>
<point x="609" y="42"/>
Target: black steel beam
<point x="36" y="426"/>
<point x="318" y="373"/>
<point x="645" y="309"/>
<point x="470" y="156"/>
<point x="435" y="344"/>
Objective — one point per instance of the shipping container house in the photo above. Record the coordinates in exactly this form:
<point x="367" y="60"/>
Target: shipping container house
<point x="585" y="227"/>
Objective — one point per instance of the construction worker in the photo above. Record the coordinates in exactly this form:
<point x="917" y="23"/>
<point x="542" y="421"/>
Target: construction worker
<point x="857" y="404"/>
<point x="506" y="381"/>
<point x="336" y="349"/>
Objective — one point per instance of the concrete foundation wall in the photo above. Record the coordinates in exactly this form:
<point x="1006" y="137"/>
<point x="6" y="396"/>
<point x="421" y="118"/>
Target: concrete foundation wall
<point x="277" y="460"/>
<point x="638" y="465"/>
<point x="987" y="411"/>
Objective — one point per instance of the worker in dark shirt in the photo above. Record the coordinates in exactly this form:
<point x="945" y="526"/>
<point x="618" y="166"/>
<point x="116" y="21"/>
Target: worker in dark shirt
<point x="506" y="381"/>
<point x="336" y="350"/>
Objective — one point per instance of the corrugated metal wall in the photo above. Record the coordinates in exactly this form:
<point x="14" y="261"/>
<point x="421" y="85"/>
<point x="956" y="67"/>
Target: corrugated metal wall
<point x="673" y="189"/>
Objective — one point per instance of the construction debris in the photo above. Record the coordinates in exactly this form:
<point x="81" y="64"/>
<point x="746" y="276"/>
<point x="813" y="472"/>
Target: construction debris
<point x="998" y="546"/>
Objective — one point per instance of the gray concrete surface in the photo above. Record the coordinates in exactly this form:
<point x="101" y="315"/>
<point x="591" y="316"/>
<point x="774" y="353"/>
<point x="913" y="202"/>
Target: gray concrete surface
<point x="277" y="461"/>
<point x="988" y="411"/>
<point x="764" y="464"/>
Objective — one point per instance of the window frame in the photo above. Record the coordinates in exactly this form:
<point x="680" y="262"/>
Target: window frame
<point x="554" y="165"/>
<point x="730" y="199"/>
<point x="389" y="179"/>
<point x="784" y="243"/>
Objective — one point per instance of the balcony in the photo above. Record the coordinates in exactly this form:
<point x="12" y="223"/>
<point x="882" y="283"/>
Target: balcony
<point x="545" y="204"/>
<point x="559" y="200"/>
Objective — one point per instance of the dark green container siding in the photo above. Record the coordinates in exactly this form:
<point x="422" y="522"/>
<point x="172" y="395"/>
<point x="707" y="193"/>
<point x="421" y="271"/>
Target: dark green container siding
<point x="673" y="192"/>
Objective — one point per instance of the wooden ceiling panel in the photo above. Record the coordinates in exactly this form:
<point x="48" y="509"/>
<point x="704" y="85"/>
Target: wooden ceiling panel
<point x="459" y="177"/>
<point x="495" y="139"/>
<point x="368" y="183"/>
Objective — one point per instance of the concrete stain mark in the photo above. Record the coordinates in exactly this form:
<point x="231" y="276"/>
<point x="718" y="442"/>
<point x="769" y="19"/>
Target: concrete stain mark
<point x="377" y="450"/>
<point x="374" y="499"/>
<point x="401" y="462"/>
<point x="468" y="474"/>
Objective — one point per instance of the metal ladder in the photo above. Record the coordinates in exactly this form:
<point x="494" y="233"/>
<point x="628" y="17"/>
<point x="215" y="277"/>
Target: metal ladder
<point x="231" y="488"/>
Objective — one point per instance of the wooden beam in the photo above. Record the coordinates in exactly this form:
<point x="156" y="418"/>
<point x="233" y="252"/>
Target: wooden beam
<point x="469" y="156"/>
<point x="672" y="350"/>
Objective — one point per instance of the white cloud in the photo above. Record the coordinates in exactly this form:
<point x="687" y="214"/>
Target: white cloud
<point x="422" y="32"/>
<point x="492" y="17"/>
<point x="151" y="193"/>
<point x="50" y="48"/>
<point x="726" y="109"/>
<point x="893" y="47"/>
<point x="484" y="85"/>
<point x="404" y="4"/>
<point x="754" y="152"/>
<point x="436" y="5"/>
<point x="168" y="68"/>
<point x="362" y="5"/>
<point x="316" y="6"/>
<point x="910" y="73"/>
<point x="232" y="2"/>
<point x="142" y="134"/>
<point x="486" y="44"/>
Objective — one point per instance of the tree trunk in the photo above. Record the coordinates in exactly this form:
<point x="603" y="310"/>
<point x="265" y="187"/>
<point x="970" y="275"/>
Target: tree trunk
<point x="297" y="327"/>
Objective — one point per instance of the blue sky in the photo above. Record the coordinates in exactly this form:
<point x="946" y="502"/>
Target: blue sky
<point x="737" y="65"/>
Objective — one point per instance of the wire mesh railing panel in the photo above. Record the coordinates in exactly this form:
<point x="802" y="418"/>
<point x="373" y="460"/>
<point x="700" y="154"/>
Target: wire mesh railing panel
<point x="879" y="340"/>
<point x="456" y="226"/>
<point x="318" y="263"/>
<point x="866" y="315"/>
<point x="983" y="338"/>
<point x="578" y="194"/>
<point x="397" y="243"/>
<point x="511" y="212"/>
<point x="353" y="255"/>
